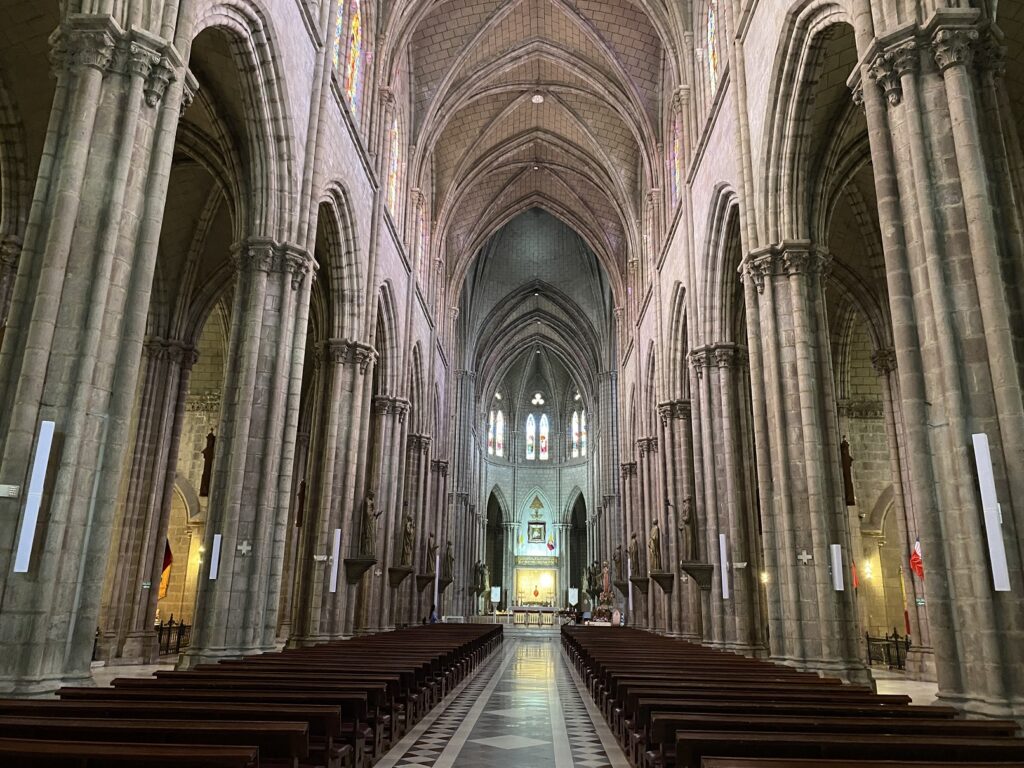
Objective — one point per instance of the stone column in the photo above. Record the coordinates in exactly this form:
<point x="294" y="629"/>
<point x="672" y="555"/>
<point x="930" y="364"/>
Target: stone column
<point x="564" y="560"/>
<point x="946" y="261"/>
<point x="236" y="612"/>
<point x="141" y="529"/>
<point x="332" y="499"/>
<point x="74" y="334"/>
<point x="289" y="592"/>
<point x="706" y="394"/>
<point x="638" y="617"/>
<point x="10" y="250"/>
<point x="815" y="627"/>
<point x="682" y="530"/>
<point x="742" y="522"/>
<point x="921" y="658"/>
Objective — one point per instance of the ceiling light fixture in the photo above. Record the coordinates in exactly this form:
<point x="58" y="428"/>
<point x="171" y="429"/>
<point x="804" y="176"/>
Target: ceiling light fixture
<point x="537" y="98"/>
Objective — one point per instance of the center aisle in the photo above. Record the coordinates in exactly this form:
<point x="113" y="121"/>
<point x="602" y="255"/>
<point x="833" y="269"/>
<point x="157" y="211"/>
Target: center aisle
<point x="523" y="708"/>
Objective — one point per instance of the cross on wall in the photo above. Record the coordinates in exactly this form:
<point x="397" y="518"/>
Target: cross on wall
<point x="804" y="557"/>
<point x="244" y="548"/>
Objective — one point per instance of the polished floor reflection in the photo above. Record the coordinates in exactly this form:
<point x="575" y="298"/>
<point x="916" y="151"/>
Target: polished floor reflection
<point x="524" y="708"/>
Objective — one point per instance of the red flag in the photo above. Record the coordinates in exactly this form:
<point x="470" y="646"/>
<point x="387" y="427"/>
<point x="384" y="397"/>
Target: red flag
<point x="916" y="561"/>
<point x="165" y="572"/>
<point x="853" y="566"/>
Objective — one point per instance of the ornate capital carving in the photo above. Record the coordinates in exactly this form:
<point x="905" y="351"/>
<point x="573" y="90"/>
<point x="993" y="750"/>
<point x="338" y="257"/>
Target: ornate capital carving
<point x="10" y="251"/>
<point x="757" y="267"/>
<point x="274" y="258"/>
<point x="91" y="44"/>
<point x="953" y="46"/>
<point x="628" y="469"/>
<point x="700" y="359"/>
<point x="189" y="90"/>
<point x="884" y="361"/>
<point x="347" y="352"/>
<point x="990" y="55"/>
<point x="680" y="97"/>
<point x="858" y="96"/>
<point x="726" y="356"/>
<point x="889" y="67"/>
<point x="161" y="75"/>
<point x="801" y="261"/>
<point x="441" y="467"/>
<point x="170" y="350"/>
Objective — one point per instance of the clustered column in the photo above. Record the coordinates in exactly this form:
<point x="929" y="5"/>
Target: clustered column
<point x="236" y="610"/>
<point x="814" y="625"/>
<point x="141" y="527"/>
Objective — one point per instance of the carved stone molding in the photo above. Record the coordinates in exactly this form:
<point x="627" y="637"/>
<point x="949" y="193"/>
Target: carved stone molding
<point x="441" y="467"/>
<point x="674" y="409"/>
<point x="190" y="88"/>
<point x="10" y="251"/>
<point x="391" y="406"/>
<point x="953" y="46"/>
<point x="262" y="255"/>
<point x="206" y="402"/>
<point x="889" y="67"/>
<point x="862" y="409"/>
<point x="348" y="352"/>
<point x="700" y="358"/>
<point x="628" y="469"/>
<point x="990" y="55"/>
<point x="171" y="350"/>
<point x="884" y="361"/>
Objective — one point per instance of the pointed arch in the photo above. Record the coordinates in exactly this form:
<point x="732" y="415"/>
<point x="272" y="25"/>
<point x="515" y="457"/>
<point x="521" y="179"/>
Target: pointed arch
<point x="574" y="495"/>
<point x="386" y="339"/>
<point x="269" y="158"/>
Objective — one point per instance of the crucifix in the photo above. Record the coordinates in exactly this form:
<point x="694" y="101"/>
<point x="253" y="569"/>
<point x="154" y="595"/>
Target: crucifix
<point x="804" y="557"/>
<point x="244" y="548"/>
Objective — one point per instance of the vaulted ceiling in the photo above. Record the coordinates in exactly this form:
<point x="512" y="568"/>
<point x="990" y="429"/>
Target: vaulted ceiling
<point x="535" y="103"/>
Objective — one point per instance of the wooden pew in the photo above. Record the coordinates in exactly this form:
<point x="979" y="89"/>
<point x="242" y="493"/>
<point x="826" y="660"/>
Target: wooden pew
<point x="693" y="746"/>
<point x="326" y="739"/>
<point x="86" y="754"/>
<point x="280" y="744"/>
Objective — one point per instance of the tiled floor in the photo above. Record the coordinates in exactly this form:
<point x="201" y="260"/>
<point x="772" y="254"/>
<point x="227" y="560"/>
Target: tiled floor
<point x="523" y="709"/>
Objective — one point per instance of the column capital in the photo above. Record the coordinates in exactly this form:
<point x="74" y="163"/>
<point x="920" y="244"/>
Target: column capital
<point x="700" y="358"/>
<point x="265" y="255"/>
<point x="10" y="250"/>
<point x="177" y="352"/>
<point x="674" y="409"/>
<point x="953" y="46"/>
<point x="891" y="64"/>
<point x="680" y="97"/>
<point x="462" y="373"/>
<point x="628" y="468"/>
<point x="884" y="360"/>
<point x="440" y="466"/>
<point x="349" y="352"/>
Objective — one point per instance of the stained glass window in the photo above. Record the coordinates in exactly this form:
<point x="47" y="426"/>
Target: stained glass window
<point x="353" y="83"/>
<point x="394" y="161"/>
<point x="490" y="435"/>
<point x="339" y="28"/>
<point x="544" y="438"/>
<point x="575" y="435"/>
<point x="531" y="438"/>
<point x="499" y="434"/>
<point x="712" y="42"/>
<point x="583" y="433"/>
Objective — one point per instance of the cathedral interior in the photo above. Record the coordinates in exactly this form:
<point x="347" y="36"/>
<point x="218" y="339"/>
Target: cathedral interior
<point x="325" y="320"/>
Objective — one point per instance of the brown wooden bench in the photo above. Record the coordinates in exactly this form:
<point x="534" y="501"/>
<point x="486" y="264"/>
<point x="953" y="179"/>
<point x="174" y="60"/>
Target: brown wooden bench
<point x="26" y="753"/>
<point x="693" y="746"/>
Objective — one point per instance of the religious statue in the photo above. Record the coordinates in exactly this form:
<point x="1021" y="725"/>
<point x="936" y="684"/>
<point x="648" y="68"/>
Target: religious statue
<point x="687" y="529"/>
<point x="635" y="567"/>
<point x="595" y="577"/>
<point x="368" y="543"/>
<point x="654" y="548"/>
<point x="617" y="559"/>
<point x="208" y="453"/>
<point x="408" y="539"/>
<point x="449" y="562"/>
<point x="606" y="579"/>
<point x="844" y="453"/>
<point x="486" y="578"/>
<point x="478" y="576"/>
<point x="431" y="554"/>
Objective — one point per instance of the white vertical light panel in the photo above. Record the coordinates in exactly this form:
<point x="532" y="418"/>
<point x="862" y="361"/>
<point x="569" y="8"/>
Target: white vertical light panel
<point x="336" y="559"/>
<point x="838" y="582"/>
<point x="34" y="498"/>
<point x="215" y="557"/>
<point x="993" y="515"/>
<point x="723" y="550"/>
<point x="629" y="580"/>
